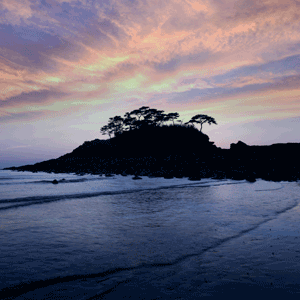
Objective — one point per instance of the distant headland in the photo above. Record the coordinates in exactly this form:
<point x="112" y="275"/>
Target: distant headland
<point x="144" y="144"/>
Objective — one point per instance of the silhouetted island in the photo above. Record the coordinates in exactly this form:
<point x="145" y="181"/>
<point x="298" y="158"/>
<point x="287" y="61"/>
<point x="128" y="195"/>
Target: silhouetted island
<point x="176" y="150"/>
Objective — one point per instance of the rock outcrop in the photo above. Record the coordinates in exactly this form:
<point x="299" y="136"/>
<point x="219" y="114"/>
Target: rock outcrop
<point x="176" y="152"/>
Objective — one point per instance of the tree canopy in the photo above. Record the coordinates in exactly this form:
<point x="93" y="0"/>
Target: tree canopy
<point x="201" y="119"/>
<point x="146" y="117"/>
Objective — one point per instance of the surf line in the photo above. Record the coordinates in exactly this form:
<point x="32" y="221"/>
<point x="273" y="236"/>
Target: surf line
<point x="46" y="199"/>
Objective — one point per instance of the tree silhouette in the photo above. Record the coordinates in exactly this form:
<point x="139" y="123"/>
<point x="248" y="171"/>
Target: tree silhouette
<point x="153" y="116"/>
<point x="116" y="125"/>
<point x="180" y="122"/>
<point x="172" y="117"/>
<point x="106" y="130"/>
<point x="145" y="116"/>
<point x="140" y="112"/>
<point x="201" y="119"/>
<point x="128" y="120"/>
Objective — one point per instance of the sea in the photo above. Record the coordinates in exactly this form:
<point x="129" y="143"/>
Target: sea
<point x="96" y="237"/>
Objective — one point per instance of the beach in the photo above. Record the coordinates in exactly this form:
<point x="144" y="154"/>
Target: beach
<point x="97" y="237"/>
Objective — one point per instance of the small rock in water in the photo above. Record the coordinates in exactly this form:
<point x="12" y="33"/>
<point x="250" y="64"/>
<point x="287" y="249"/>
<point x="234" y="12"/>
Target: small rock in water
<point x="55" y="181"/>
<point x="136" y="177"/>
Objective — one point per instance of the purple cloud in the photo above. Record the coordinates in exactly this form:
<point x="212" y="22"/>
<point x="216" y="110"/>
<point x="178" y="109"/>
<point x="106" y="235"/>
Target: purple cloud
<point x="34" y="97"/>
<point x="23" y="116"/>
<point x="33" y="48"/>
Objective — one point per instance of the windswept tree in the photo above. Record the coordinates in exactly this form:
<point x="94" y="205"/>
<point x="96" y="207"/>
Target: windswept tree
<point x="188" y="124"/>
<point x="154" y="116"/>
<point x="140" y="112"/>
<point x="106" y="130"/>
<point x="129" y="120"/>
<point x="180" y="122"/>
<point x="158" y="117"/>
<point x="145" y="116"/>
<point x="172" y="117"/>
<point x="201" y="119"/>
<point x="116" y="124"/>
<point x="138" y="118"/>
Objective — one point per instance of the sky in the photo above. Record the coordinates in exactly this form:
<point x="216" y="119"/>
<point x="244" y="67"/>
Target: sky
<point x="67" y="66"/>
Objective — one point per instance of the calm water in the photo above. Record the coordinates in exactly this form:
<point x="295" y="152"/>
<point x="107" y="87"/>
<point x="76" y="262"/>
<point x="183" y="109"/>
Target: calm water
<point x="92" y="237"/>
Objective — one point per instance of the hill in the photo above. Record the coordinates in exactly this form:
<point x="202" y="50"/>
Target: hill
<point x="176" y="151"/>
<point x="158" y="151"/>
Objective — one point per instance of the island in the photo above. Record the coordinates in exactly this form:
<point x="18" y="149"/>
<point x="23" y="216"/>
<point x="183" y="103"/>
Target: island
<point x="143" y="144"/>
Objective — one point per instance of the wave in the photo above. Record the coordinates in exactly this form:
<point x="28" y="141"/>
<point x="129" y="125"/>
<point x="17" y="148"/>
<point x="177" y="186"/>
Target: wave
<point x="7" y="178"/>
<point x="26" y="201"/>
<point x="271" y="189"/>
<point x="59" y="181"/>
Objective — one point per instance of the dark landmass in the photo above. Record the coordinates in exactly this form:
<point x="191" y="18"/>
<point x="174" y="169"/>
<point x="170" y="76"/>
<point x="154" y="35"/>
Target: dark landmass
<point x="176" y="151"/>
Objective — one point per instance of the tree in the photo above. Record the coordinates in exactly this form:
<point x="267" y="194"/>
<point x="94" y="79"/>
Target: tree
<point x="140" y="112"/>
<point x="180" y="122"/>
<point x="138" y="118"/>
<point x="160" y="117"/>
<point x="201" y="119"/>
<point x="138" y="123"/>
<point x="151" y="116"/>
<point x="116" y="124"/>
<point x="106" y="129"/>
<point x="154" y="116"/>
<point x="172" y="117"/>
<point x="128" y="120"/>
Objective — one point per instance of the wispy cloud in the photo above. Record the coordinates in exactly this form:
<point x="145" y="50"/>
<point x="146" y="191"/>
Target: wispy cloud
<point x="34" y="97"/>
<point x="22" y="116"/>
<point x="179" y="54"/>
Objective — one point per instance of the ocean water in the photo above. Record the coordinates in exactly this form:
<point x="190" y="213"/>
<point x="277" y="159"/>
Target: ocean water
<point x="94" y="237"/>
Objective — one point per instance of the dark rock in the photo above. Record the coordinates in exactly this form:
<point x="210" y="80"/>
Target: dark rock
<point x="251" y="179"/>
<point x="238" y="146"/>
<point x="176" y="152"/>
<point x="136" y="177"/>
<point x="219" y="175"/>
<point x="55" y="181"/>
<point x="178" y="176"/>
<point x="237" y="176"/>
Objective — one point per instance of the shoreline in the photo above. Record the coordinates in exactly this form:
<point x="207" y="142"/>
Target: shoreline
<point x="193" y="175"/>
<point x="278" y="162"/>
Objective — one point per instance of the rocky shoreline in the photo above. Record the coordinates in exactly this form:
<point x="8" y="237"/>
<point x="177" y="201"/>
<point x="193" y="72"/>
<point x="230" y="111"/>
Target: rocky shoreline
<point x="278" y="162"/>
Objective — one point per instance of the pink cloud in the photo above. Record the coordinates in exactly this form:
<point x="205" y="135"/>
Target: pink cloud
<point x="178" y="54"/>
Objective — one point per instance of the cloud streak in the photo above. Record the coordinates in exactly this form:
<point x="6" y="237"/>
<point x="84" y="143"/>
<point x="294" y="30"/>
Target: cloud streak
<point x="184" y="55"/>
<point x="34" y="97"/>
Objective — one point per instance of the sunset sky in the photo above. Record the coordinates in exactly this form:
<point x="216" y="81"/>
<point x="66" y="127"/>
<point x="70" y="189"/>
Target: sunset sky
<point x="66" y="66"/>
